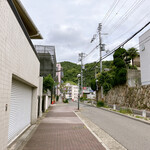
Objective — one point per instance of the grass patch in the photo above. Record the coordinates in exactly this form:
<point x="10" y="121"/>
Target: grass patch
<point x="106" y="106"/>
<point x="140" y="117"/>
<point x="125" y="111"/>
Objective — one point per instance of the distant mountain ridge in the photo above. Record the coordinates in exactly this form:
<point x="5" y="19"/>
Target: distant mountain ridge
<point x="71" y="70"/>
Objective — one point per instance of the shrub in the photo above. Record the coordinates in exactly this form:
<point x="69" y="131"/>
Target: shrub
<point x="65" y="101"/>
<point x="81" y="99"/>
<point x="106" y="79"/>
<point x="100" y="104"/>
<point x="133" y="67"/>
<point x="121" y="76"/>
<point x="106" y="87"/>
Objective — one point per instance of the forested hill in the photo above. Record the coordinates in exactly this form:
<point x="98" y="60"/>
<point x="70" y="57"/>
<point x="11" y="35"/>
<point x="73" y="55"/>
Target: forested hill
<point x="71" y="70"/>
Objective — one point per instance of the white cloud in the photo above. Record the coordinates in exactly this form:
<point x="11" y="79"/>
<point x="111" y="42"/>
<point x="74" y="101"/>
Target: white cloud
<point x="70" y="24"/>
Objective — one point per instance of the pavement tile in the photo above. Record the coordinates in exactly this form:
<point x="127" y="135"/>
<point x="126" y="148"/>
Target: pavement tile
<point x="61" y="114"/>
<point x="64" y="134"/>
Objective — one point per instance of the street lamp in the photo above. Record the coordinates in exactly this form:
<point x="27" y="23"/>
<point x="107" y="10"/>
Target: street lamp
<point x="78" y="76"/>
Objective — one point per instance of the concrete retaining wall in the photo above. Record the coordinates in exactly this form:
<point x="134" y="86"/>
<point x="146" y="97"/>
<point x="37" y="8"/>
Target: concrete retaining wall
<point x="135" y="97"/>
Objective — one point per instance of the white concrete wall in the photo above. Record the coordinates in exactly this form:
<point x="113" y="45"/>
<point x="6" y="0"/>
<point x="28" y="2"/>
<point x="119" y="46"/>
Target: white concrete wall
<point x="40" y="94"/>
<point x="91" y="96"/>
<point x="46" y="102"/>
<point x="145" y="57"/>
<point x="16" y="59"/>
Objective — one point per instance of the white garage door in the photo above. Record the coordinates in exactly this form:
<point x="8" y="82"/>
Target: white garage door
<point x="20" y="109"/>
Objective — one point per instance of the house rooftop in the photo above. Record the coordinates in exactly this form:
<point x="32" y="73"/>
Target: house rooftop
<point x="27" y="21"/>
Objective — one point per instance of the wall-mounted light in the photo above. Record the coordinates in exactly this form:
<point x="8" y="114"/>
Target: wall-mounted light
<point x="142" y="47"/>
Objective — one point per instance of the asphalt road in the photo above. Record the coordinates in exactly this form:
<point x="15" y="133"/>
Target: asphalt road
<point x="132" y="134"/>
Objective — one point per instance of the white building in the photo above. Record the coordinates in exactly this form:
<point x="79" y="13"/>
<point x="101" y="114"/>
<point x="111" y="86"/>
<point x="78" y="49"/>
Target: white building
<point x="144" y="42"/>
<point x="72" y="92"/>
<point x="19" y="72"/>
<point x="75" y="93"/>
<point x="68" y="88"/>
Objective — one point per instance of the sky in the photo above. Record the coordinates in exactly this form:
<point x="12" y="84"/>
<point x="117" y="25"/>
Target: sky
<point x="69" y="25"/>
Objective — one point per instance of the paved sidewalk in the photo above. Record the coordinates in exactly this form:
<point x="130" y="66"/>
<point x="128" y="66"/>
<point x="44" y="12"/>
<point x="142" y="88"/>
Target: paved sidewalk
<point x="61" y="129"/>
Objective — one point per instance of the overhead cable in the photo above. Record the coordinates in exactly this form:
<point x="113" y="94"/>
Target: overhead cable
<point x="112" y="7"/>
<point x="128" y="13"/>
<point x="122" y="44"/>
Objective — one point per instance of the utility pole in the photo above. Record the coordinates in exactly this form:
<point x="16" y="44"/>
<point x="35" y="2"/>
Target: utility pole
<point x="100" y="48"/>
<point x="81" y="56"/>
<point x="78" y="76"/>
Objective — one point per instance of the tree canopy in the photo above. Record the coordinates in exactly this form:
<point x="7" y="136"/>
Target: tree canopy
<point x="71" y="70"/>
<point x="133" y="52"/>
<point x="117" y="74"/>
<point x="48" y="83"/>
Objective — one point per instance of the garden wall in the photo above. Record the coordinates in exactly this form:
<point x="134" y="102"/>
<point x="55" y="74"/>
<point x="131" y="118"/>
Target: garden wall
<point x="135" y="97"/>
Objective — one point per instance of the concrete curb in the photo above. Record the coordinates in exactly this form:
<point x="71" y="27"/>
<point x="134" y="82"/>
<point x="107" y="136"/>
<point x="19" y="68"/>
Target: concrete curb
<point x="104" y="138"/>
<point x="130" y="117"/>
<point x="92" y="132"/>
<point x="127" y="116"/>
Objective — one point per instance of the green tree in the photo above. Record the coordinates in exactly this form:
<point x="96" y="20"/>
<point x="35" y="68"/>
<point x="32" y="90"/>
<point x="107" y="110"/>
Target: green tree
<point x="120" y="76"/>
<point x="93" y="85"/>
<point x="133" y="52"/>
<point x="120" y="53"/>
<point x="71" y="70"/>
<point x="119" y="62"/>
<point x="106" y="79"/>
<point x="48" y="83"/>
<point x="120" y="70"/>
<point x="123" y="55"/>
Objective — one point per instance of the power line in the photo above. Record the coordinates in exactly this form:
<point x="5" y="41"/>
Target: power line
<point x="113" y="17"/>
<point x="97" y="62"/>
<point x="122" y="44"/>
<point x="112" y="7"/>
<point x="91" y="51"/>
<point x="126" y="15"/>
<point x="136" y="24"/>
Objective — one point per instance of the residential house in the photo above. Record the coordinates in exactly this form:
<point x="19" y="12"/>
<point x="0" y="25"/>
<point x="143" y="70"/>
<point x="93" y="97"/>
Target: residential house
<point x="71" y="92"/>
<point x="19" y="72"/>
<point x="144" y="42"/>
